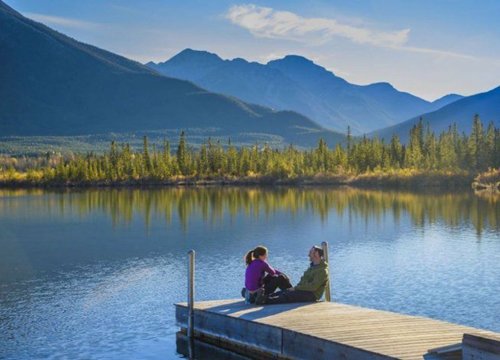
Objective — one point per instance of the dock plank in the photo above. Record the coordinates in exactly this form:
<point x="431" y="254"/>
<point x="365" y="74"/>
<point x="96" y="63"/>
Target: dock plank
<point x="335" y="330"/>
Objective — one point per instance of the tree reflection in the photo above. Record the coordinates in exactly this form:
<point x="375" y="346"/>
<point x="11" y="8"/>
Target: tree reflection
<point x="212" y="204"/>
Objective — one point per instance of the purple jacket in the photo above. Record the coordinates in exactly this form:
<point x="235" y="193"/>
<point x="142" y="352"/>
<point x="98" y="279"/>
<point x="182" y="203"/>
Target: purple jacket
<point x="255" y="273"/>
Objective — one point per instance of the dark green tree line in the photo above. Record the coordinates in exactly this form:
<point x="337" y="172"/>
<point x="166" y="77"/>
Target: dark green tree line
<point x="424" y="150"/>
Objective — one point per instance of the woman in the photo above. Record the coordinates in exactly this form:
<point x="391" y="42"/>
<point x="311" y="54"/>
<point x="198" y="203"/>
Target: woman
<point x="260" y="277"/>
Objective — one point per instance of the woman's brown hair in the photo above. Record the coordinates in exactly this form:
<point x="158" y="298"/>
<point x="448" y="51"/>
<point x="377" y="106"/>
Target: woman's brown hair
<point x="254" y="254"/>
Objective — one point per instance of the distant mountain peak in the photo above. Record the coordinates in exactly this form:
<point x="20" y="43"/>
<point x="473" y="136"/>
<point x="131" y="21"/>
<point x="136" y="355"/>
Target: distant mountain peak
<point x="194" y="52"/>
<point x="239" y="60"/>
<point x="295" y="58"/>
<point x="445" y="100"/>
<point x="383" y="85"/>
<point x="191" y="55"/>
<point x="295" y="61"/>
<point x="306" y="72"/>
<point x="449" y="96"/>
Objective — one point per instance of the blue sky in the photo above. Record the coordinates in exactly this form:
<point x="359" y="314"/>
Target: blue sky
<point x="429" y="48"/>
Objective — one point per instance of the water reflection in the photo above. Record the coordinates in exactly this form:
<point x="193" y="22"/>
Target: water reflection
<point x="212" y="204"/>
<point x="94" y="273"/>
<point x="194" y="349"/>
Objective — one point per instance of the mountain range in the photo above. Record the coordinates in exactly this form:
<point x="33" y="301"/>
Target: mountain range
<point x="297" y="83"/>
<point x="51" y="84"/>
<point x="461" y="112"/>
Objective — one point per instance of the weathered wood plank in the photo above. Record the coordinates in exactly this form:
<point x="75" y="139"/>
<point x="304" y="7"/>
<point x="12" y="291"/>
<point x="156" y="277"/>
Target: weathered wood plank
<point x="300" y="346"/>
<point x="325" y="330"/>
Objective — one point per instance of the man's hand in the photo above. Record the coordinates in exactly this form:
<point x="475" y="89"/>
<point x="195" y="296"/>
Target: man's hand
<point x="290" y="289"/>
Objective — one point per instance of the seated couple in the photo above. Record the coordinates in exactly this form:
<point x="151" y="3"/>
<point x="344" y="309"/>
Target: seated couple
<point x="261" y="280"/>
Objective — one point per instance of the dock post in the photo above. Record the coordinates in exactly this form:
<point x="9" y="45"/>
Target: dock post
<point x="324" y="245"/>
<point x="190" y="328"/>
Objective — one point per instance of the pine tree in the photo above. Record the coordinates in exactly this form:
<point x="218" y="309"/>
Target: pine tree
<point x="349" y="145"/>
<point x="476" y="144"/>
<point x="181" y="154"/>
<point x="430" y="149"/>
<point x="203" y="165"/>
<point x="489" y="157"/>
<point x="396" y="152"/>
<point x="414" y="155"/>
<point x="146" y="158"/>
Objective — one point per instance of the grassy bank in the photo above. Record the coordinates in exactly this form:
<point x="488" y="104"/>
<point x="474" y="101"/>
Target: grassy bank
<point x="392" y="179"/>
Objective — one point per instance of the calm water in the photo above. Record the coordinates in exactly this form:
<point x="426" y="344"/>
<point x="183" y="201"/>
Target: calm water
<point x="94" y="274"/>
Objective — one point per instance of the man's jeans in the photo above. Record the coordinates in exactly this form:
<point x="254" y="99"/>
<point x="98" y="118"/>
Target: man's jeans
<point x="294" y="296"/>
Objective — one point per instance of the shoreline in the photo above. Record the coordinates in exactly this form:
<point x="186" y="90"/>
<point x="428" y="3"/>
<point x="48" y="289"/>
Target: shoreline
<point x="384" y="181"/>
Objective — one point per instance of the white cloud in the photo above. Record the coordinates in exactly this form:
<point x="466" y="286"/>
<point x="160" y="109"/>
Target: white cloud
<point x="269" y="23"/>
<point x="439" y="53"/>
<point x="61" y="21"/>
<point x="266" y="22"/>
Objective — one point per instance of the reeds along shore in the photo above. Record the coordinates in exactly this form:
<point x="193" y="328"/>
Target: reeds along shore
<point x="447" y="160"/>
<point x="402" y="179"/>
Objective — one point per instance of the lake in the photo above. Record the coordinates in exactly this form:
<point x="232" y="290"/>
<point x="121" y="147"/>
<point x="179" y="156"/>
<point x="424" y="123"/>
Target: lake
<point x="94" y="273"/>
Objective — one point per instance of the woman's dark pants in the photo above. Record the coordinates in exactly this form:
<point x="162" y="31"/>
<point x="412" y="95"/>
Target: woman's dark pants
<point x="271" y="283"/>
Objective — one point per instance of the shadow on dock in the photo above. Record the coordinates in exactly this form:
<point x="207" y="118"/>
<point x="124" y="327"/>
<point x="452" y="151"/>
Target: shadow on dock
<point x="244" y="311"/>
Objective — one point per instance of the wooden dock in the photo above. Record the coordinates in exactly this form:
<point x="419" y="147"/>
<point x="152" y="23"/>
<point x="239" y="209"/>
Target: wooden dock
<point x="328" y="330"/>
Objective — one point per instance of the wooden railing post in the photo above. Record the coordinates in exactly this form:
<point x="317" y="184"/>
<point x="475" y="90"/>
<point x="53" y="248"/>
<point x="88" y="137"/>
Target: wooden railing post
<point x="328" y="297"/>
<point x="190" y="294"/>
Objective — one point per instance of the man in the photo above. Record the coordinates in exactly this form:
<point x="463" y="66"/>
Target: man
<point x="310" y="287"/>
